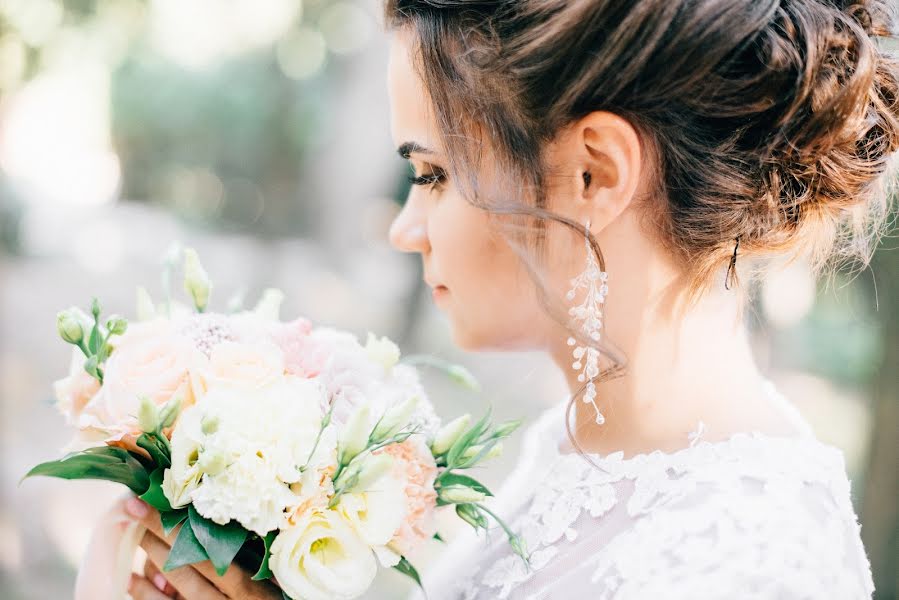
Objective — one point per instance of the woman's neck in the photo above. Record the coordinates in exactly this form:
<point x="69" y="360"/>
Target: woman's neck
<point x="683" y="365"/>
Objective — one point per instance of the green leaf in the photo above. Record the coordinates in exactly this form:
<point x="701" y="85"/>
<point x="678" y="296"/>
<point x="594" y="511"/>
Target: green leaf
<point x="186" y="550"/>
<point x="264" y="572"/>
<point x="466" y="439"/>
<point x="221" y="542"/>
<point x="104" y="462"/>
<point x="154" y="495"/>
<point x="406" y="568"/>
<point x="448" y="478"/>
<point x="93" y="343"/>
<point x="470" y="462"/>
<point x="437" y="537"/>
<point x="92" y="366"/>
<point x="159" y="450"/>
<point x="172" y="519"/>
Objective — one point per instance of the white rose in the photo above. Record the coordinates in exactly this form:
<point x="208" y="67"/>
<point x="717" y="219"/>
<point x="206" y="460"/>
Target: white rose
<point x="322" y="558"/>
<point x="377" y="513"/>
<point x="183" y="477"/>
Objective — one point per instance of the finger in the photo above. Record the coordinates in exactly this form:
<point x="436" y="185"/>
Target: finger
<point x="146" y="514"/>
<point x="186" y="580"/>
<point x="140" y="588"/>
<point x="152" y="573"/>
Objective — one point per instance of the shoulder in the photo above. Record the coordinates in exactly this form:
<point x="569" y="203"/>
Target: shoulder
<point x="770" y="515"/>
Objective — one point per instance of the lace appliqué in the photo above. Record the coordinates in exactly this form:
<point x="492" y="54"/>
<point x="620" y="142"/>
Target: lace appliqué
<point x="749" y="517"/>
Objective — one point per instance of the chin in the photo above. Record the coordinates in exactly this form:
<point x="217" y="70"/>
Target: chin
<point x="470" y="340"/>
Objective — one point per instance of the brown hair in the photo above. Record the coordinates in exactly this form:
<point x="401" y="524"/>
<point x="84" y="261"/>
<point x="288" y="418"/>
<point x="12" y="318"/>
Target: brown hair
<point x="771" y="122"/>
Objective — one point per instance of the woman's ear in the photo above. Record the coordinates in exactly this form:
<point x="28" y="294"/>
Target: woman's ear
<point x="608" y="156"/>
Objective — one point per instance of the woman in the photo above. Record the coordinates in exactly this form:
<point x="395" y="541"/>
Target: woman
<point x="590" y="179"/>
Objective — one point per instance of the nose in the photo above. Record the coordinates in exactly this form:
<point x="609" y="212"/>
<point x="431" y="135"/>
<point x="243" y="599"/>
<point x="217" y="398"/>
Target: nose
<point x="409" y="230"/>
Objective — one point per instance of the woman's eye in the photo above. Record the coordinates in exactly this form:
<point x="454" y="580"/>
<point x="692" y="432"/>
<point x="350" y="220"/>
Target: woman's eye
<point x="431" y="179"/>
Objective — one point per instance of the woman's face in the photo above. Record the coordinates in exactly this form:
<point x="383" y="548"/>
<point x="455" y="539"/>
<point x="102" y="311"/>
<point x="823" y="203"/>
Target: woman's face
<point x="474" y="275"/>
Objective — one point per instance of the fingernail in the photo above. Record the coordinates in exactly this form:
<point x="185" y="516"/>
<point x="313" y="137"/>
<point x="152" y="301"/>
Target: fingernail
<point x="159" y="581"/>
<point x="136" y="508"/>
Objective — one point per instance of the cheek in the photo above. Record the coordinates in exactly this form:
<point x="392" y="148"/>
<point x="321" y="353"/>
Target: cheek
<point x="492" y="304"/>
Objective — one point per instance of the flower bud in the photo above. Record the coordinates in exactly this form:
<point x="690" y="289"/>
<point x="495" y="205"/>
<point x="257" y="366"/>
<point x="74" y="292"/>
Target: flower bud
<point x="371" y="469"/>
<point x="69" y="326"/>
<point x="116" y="325"/>
<point x="196" y="281"/>
<point x="518" y="546"/>
<point x="394" y="419"/>
<point x="212" y="462"/>
<point x="449" y="433"/>
<point x="169" y="412"/>
<point x="463" y="377"/>
<point x="355" y="435"/>
<point x="145" y="309"/>
<point x="209" y="424"/>
<point x="472" y="451"/>
<point x="269" y="305"/>
<point x="147" y="415"/>
<point x="471" y="515"/>
<point x="460" y="494"/>
<point x="505" y="429"/>
<point x="382" y="350"/>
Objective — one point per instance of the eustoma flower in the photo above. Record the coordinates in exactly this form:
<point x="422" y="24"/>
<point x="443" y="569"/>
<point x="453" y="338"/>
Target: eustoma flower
<point x="322" y="558"/>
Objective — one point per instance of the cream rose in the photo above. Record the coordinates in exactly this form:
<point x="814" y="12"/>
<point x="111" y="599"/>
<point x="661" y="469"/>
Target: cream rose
<point x="322" y="558"/>
<point x="150" y="360"/>
<point x="251" y="365"/>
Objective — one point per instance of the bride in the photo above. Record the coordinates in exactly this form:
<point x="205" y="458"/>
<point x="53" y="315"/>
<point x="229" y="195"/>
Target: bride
<point x="600" y="180"/>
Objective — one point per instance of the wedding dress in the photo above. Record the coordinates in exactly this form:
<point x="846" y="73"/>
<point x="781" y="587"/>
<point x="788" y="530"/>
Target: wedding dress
<point x="751" y="517"/>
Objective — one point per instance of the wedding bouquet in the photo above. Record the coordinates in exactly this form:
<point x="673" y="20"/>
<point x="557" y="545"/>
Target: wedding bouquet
<point x="296" y="450"/>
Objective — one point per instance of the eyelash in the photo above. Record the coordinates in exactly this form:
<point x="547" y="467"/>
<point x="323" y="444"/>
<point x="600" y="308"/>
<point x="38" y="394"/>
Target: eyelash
<point x="432" y="179"/>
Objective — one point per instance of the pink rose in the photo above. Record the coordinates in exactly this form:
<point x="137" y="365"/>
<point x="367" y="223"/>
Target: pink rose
<point x="150" y="360"/>
<point x="75" y="391"/>
<point x="415" y="463"/>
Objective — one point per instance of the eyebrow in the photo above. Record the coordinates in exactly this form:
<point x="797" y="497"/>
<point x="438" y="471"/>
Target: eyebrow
<point x="407" y="148"/>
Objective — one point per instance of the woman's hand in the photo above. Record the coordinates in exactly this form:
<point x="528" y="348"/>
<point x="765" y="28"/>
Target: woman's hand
<point x="193" y="582"/>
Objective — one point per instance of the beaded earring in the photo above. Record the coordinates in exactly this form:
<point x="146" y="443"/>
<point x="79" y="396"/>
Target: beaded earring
<point x="589" y="312"/>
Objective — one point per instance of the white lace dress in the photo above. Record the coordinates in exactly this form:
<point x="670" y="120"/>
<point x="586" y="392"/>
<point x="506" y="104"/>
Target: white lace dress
<point x="754" y="516"/>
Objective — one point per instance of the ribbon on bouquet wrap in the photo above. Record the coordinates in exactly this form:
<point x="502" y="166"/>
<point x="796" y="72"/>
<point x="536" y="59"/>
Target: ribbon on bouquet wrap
<point x="114" y="542"/>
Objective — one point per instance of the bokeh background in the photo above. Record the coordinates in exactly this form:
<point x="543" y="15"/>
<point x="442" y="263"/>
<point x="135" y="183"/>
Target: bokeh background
<point x="257" y="132"/>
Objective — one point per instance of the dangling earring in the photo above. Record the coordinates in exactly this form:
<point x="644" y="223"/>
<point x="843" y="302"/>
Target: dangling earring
<point x="586" y="358"/>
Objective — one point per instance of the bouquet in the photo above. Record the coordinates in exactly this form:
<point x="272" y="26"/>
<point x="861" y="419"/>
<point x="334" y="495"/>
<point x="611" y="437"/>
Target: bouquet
<point x="298" y="451"/>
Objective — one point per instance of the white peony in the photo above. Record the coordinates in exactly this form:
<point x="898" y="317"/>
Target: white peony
<point x="237" y="452"/>
<point x="322" y="558"/>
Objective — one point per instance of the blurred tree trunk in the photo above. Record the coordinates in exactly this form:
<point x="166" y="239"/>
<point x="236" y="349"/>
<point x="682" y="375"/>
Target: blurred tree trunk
<point x="880" y="508"/>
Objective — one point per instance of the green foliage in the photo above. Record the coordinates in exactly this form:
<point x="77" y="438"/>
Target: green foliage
<point x="154" y="495"/>
<point x="172" y="519"/>
<point x="264" y="571"/>
<point x="406" y="568"/>
<point x="221" y="542"/>
<point x="186" y="550"/>
<point x="105" y="462"/>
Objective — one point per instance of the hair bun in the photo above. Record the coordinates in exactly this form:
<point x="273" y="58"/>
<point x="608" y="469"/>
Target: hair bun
<point x="838" y="122"/>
